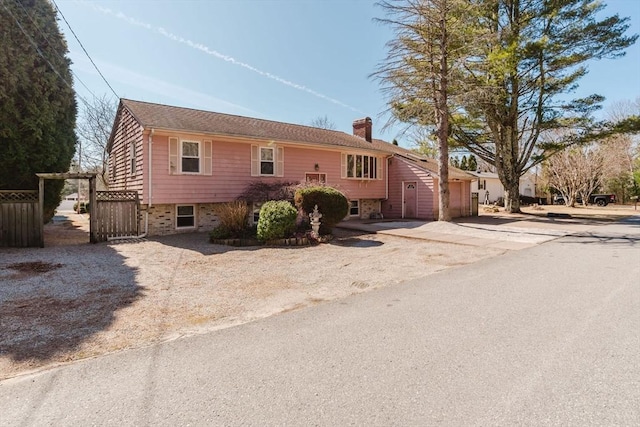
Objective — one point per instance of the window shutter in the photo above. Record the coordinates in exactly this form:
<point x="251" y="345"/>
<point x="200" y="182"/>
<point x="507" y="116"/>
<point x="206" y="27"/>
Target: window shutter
<point x="380" y="162"/>
<point x="280" y="161"/>
<point x="255" y="160"/>
<point x="207" y="158"/>
<point x="173" y="156"/>
<point x="343" y="166"/>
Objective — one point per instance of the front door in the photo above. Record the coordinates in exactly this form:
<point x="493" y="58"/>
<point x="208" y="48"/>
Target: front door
<point x="410" y="199"/>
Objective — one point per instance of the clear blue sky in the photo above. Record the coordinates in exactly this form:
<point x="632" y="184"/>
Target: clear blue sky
<point x="284" y="60"/>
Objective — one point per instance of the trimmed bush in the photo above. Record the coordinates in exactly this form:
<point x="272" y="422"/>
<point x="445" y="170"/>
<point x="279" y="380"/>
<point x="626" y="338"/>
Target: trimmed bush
<point x="332" y="204"/>
<point x="277" y="220"/>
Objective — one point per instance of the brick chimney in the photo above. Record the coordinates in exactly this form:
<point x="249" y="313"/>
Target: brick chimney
<point x="362" y="128"/>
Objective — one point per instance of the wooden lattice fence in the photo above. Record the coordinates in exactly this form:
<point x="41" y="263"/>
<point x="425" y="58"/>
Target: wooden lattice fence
<point x="20" y="218"/>
<point x="117" y="214"/>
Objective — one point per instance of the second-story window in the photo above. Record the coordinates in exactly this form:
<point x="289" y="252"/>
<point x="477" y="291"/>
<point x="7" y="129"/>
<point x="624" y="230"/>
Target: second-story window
<point x="361" y="166"/>
<point x="266" y="161"/>
<point x="190" y="156"/>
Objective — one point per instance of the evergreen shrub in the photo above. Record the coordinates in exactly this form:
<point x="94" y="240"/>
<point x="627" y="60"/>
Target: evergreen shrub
<point x="332" y="204"/>
<point x="277" y="220"/>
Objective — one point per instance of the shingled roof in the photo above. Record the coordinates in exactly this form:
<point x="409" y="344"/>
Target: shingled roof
<point x="181" y="119"/>
<point x="167" y="117"/>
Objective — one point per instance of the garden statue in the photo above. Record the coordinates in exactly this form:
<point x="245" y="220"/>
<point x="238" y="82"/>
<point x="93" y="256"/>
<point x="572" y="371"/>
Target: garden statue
<point x="315" y="222"/>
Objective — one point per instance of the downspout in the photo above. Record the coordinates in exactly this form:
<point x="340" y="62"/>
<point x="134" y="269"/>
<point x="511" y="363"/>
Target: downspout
<point x="149" y="166"/>
<point x="386" y="182"/>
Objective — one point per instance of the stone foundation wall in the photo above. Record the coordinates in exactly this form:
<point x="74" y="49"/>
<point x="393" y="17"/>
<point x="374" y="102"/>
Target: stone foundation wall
<point x="162" y="219"/>
<point x="369" y="206"/>
<point x="206" y="217"/>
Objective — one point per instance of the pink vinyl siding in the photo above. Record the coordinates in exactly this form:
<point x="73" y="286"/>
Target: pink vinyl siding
<point x="404" y="171"/>
<point x="231" y="172"/>
<point x="299" y="161"/>
<point x="128" y="132"/>
<point x="460" y="198"/>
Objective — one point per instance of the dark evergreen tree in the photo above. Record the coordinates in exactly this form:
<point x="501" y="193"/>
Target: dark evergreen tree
<point x="37" y="102"/>
<point x="464" y="165"/>
<point x="472" y="165"/>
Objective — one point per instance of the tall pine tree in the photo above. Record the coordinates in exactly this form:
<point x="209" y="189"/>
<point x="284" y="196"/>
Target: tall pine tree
<point x="511" y="66"/>
<point x="37" y="102"/>
<point x="421" y="70"/>
<point x="534" y="54"/>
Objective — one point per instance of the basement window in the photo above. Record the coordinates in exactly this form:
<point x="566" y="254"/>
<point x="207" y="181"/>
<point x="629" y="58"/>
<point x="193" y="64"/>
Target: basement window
<point x="354" y="208"/>
<point x="185" y="216"/>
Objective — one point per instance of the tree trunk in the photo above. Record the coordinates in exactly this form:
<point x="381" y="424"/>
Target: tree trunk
<point x="512" y="196"/>
<point x="443" y="186"/>
<point x="442" y="113"/>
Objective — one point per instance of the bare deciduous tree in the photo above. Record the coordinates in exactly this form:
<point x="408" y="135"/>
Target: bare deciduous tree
<point x="94" y="128"/>
<point x="575" y="173"/>
<point x="323" y="122"/>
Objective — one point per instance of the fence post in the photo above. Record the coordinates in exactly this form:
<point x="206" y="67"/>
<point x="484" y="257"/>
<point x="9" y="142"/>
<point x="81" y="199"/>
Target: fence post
<point x="93" y="211"/>
<point x="41" y="210"/>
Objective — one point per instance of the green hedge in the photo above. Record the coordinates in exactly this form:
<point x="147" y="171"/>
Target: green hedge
<point x="277" y="220"/>
<point x="332" y="204"/>
<point x="84" y="207"/>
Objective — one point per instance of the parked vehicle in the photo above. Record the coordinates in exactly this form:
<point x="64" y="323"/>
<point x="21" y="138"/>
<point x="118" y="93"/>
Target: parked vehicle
<point x="594" y="199"/>
<point x="558" y="199"/>
<point x="602" y="199"/>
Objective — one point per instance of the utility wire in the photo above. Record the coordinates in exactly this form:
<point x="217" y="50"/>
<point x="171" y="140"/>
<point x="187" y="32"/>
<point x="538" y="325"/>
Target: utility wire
<point x="26" y="12"/>
<point x="35" y="46"/>
<point x="85" y="50"/>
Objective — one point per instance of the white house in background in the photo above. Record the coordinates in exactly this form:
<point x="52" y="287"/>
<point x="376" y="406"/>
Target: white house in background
<point x="490" y="189"/>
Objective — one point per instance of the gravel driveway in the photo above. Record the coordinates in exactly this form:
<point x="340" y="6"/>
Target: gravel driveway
<point x="75" y="300"/>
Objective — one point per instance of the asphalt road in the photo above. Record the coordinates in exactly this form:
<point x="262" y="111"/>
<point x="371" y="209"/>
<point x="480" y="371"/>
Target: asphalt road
<point x="543" y="336"/>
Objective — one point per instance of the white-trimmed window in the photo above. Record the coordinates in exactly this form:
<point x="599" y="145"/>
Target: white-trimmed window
<point x="316" y="177"/>
<point x="482" y="184"/>
<point x="354" y="208"/>
<point x="190" y="156"/>
<point x="361" y="166"/>
<point x="132" y="158"/>
<point x="185" y="216"/>
<point x="267" y="160"/>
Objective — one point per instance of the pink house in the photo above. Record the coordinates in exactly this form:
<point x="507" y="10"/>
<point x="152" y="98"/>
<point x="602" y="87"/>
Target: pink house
<point x="413" y="187"/>
<point x="185" y="162"/>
